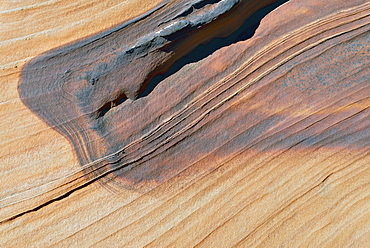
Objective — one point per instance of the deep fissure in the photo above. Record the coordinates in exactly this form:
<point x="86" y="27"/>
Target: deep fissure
<point x="197" y="6"/>
<point x="244" y="32"/>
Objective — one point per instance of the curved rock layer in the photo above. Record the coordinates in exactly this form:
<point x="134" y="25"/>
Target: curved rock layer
<point x="90" y="91"/>
<point x="236" y="123"/>
<point x="93" y="91"/>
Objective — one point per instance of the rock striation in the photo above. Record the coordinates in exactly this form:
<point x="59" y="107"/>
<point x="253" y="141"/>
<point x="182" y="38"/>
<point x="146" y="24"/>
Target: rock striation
<point x="94" y="91"/>
<point x="191" y="123"/>
<point x="90" y="91"/>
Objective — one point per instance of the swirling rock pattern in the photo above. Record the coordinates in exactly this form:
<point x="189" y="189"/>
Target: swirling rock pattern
<point x="209" y="123"/>
<point x="95" y="86"/>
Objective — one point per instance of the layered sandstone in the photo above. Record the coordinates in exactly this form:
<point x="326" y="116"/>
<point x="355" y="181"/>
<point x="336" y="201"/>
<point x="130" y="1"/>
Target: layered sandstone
<point x="184" y="123"/>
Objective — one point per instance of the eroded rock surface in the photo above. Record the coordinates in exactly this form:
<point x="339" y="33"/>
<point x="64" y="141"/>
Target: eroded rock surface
<point x="290" y="73"/>
<point x="209" y="133"/>
<point x="90" y="91"/>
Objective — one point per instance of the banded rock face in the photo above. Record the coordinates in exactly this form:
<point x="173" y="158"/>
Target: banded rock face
<point x="93" y="91"/>
<point x="210" y="123"/>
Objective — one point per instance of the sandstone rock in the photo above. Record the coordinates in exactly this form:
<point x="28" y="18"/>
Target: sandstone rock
<point x="184" y="123"/>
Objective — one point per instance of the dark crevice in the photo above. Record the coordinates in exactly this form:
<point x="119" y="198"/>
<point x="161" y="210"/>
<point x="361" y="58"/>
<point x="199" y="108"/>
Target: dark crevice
<point x="109" y="105"/>
<point x="59" y="198"/>
<point x="244" y="32"/>
<point x="104" y="109"/>
<point x="204" y="3"/>
<point x="197" y="6"/>
<point x="202" y="51"/>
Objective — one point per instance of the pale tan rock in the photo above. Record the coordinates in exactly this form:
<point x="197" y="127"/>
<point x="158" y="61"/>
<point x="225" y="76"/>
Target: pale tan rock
<point x="263" y="143"/>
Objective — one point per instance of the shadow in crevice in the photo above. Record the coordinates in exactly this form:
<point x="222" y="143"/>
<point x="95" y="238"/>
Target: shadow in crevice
<point x="198" y="6"/>
<point x="202" y="51"/>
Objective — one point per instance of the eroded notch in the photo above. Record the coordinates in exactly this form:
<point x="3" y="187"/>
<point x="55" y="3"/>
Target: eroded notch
<point x="111" y="104"/>
<point x="196" y="6"/>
